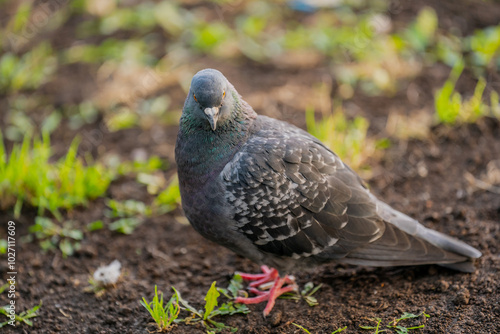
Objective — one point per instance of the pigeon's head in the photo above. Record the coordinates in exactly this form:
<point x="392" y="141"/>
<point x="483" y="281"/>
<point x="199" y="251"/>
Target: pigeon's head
<point x="210" y="98"/>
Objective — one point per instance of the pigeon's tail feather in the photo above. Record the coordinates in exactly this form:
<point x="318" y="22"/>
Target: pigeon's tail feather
<point x="465" y="266"/>
<point x="452" y="245"/>
<point x="448" y="243"/>
<point x="440" y="240"/>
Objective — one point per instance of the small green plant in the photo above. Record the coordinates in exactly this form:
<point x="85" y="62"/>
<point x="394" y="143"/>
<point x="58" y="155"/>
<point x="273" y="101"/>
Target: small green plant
<point x="122" y="119"/>
<point x="306" y="294"/>
<point x="170" y="198"/>
<point x="28" y="175"/>
<point x="127" y="208"/>
<point x="234" y="288"/>
<point x="211" y="310"/>
<point x="451" y="108"/>
<point x="166" y="315"/>
<point x="447" y="101"/>
<point x="3" y="246"/>
<point x="406" y="315"/>
<point x="52" y="235"/>
<point x="109" y="49"/>
<point x="301" y="327"/>
<point x="151" y="165"/>
<point x="28" y="71"/>
<point x="83" y="113"/>
<point x="396" y="324"/>
<point x="95" y="225"/>
<point x="23" y="317"/>
<point x="125" y="225"/>
<point x="485" y="46"/>
<point x="207" y="37"/>
<point x="308" y="332"/>
<point x="95" y="287"/>
<point x="163" y="315"/>
<point x="422" y="31"/>
<point x="148" y="172"/>
<point x="130" y="212"/>
<point x="376" y="327"/>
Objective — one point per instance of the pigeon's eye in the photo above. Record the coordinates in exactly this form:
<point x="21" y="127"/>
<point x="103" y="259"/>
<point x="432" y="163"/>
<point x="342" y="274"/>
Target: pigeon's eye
<point x="194" y="96"/>
<point x="223" y="94"/>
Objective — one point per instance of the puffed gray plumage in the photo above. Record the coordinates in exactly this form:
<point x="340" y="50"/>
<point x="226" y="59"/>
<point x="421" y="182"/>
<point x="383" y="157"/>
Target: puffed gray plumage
<point x="273" y="193"/>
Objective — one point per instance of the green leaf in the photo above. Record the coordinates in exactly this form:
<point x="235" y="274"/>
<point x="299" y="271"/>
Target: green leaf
<point x="125" y="225"/>
<point x="74" y="234"/>
<point x="307" y="287"/>
<point x="448" y="102"/>
<point x="163" y="315"/>
<point x="169" y="198"/>
<point x="230" y="309"/>
<point x="34" y="309"/>
<point x="186" y="304"/>
<point x="94" y="226"/>
<point x="211" y="300"/>
<point x="376" y="328"/>
<point x="51" y="122"/>
<point x="311" y="301"/>
<point x="299" y="326"/>
<point x="235" y="285"/>
<point x="23" y="316"/>
<point x="3" y="246"/>
<point x="3" y="287"/>
<point x="66" y="247"/>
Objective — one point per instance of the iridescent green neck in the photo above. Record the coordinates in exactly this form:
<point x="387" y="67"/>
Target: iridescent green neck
<point x="202" y="153"/>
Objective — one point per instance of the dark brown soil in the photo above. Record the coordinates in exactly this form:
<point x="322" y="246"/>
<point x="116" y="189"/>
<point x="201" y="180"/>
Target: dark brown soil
<point x="423" y="178"/>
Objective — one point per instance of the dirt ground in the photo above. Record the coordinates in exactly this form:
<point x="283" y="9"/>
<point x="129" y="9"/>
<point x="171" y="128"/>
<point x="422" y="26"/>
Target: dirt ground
<point x="423" y="178"/>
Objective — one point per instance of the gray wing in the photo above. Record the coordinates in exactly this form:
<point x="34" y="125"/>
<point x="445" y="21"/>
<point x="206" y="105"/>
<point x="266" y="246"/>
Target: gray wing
<point x="292" y="197"/>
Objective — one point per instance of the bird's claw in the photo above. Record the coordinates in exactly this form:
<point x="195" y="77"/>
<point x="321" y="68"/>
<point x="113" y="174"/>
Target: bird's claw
<point x="268" y="280"/>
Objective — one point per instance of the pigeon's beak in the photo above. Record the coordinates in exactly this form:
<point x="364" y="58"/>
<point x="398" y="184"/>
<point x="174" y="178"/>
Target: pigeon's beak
<point x="212" y="115"/>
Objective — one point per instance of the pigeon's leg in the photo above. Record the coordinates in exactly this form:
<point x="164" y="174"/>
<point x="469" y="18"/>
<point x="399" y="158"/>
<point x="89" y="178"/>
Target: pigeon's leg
<point x="268" y="279"/>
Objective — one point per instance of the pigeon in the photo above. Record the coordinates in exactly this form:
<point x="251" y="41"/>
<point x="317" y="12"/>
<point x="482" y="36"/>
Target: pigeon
<point x="273" y="193"/>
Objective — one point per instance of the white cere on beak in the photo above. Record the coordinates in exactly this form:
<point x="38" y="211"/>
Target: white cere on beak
<point x="212" y="116"/>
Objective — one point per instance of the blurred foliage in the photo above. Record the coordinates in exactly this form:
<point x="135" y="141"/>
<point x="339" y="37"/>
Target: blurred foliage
<point x="357" y="38"/>
<point x="137" y="166"/>
<point x="452" y="108"/>
<point x="28" y="71"/>
<point x="3" y="246"/>
<point x="127" y="208"/>
<point x="485" y="47"/>
<point x="169" y="198"/>
<point x="448" y="102"/>
<point x="347" y="138"/>
<point x="28" y="175"/>
<point x="421" y="33"/>
<point x="132" y="213"/>
<point x="23" y="317"/>
<point x="51" y="235"/>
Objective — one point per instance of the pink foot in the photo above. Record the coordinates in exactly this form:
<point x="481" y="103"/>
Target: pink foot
<point x="260" y="281"/>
